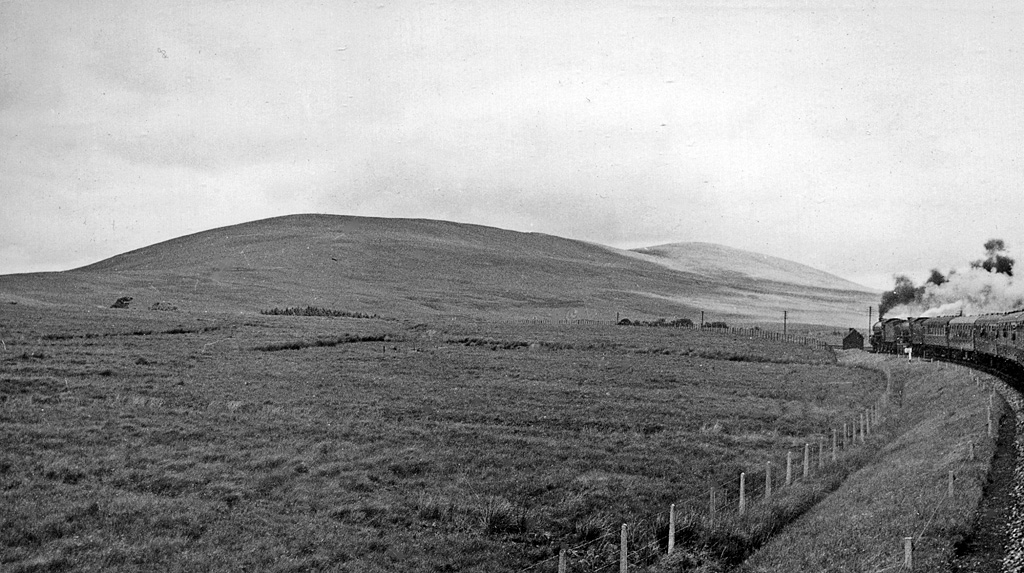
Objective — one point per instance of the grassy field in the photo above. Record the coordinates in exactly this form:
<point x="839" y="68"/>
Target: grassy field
<point x="902" y="491"/>
<point x="137" y="439"/>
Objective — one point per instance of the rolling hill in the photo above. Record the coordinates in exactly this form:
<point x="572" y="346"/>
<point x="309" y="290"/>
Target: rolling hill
<point x="416" y="267"/>
<point x="726" y="264"/>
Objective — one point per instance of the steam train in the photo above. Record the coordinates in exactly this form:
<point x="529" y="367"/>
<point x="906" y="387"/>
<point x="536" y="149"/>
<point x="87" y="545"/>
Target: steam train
<point x="992" y="341"/>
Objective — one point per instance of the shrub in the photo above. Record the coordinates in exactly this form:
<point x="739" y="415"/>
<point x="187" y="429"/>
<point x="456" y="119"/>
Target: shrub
<point x="320" y="342"/>
<point x="315" y="311"/>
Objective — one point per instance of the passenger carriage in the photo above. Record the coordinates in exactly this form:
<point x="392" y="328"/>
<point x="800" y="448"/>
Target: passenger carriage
<point x="986" y="337"/>
<point x="935" y="335"/>
<point x="961" y="337"/>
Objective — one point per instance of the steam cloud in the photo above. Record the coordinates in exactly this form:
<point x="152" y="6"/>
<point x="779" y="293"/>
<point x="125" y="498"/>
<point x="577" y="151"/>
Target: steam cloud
<point x="970" y="291"/>
<point x="986" y="286"/>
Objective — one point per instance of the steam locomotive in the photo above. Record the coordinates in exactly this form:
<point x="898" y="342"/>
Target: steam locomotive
<point x="993" y="341"/>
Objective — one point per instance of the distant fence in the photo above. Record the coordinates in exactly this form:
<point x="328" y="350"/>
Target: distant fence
<point x="753" y="333"/>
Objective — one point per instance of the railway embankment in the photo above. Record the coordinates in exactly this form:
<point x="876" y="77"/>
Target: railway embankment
<point x="1000" y="524"/>
<point x="919" y="497"/>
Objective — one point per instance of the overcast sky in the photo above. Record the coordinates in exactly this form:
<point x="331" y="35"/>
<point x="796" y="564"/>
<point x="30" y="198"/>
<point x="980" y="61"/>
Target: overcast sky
<point x="864" y="139"/>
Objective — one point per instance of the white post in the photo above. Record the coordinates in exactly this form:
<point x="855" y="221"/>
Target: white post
<point x="767" y="480"/>
<point x="743" y="494"/>
<point x="908" y="552"/>
<point x="833" y="444"/>
<point x="671" y="528"/>
<point x="712" y="509"/>
<point x="561" y="561"/>
<point x="807" y="460"/>
<point x="789" y="469"/>
<point x="623" y="552"/>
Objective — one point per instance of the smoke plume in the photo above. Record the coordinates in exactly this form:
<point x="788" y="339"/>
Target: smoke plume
<point x="969" y="291"/>
<point x="904" y="293"/>
<point x="984" y="287"/>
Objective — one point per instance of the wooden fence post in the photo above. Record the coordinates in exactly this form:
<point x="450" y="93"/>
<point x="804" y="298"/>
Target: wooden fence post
<point x="623" y="552"/>
<point x="908" y="552"/>
<point x="743" y="492"/>
<point x="972" y="450"/>
<point x="712" y="508"/>
<point x="789" y="469"/>
<point x="989" y="416"/>
<point x="844" y="435"/>
<point x="950" y="483"/>
<point x="561" y="561"/>
<point x="833" y="444"/>
<point x="821" y="452"/>
<point x="671" y="528"/>
<point x="767" y="480"/>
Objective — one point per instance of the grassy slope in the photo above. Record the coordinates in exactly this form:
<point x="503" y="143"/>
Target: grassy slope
<point x="719" y="261"/>
<point x="146" y="440"/>
<point x="903" y="492"/>
<point x="405" y="267"/>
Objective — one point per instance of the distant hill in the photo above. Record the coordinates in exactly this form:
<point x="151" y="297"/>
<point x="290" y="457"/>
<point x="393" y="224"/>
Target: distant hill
<point x="726" y="264"/>
<point x="417" y="267"/>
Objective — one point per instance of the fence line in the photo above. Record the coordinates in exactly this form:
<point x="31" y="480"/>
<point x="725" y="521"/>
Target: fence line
<point x="731" y="499"/>
<point x="754" y="332"/>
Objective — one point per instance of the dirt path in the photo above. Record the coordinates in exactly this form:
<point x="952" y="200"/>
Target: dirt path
<point x="983" y="551"/>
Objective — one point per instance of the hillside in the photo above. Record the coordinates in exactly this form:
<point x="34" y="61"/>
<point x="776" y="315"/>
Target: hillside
<point x="729" y="265"/>
<point x="414" y="267"/>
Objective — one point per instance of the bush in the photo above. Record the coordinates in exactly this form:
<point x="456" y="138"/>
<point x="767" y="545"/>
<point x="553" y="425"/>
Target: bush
<point x="316" y="311"/>
<point x="122" y="302"/>
<point x="678" y="322"/>
<point x="322" y="342"/>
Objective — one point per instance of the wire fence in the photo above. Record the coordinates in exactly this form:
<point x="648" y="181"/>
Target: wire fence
<point x="729" y="505"/>
<point x="752" y="333"/>
<point x="725" y="504"/>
